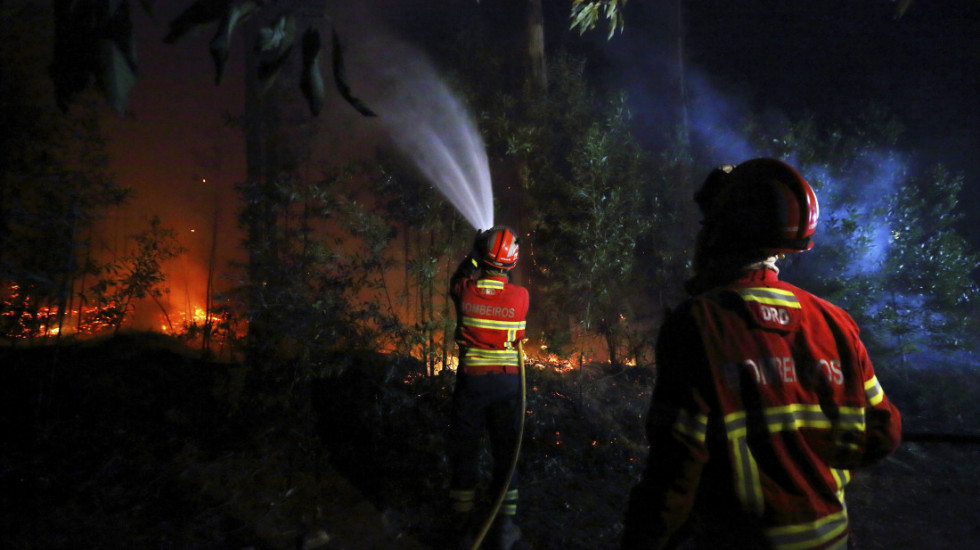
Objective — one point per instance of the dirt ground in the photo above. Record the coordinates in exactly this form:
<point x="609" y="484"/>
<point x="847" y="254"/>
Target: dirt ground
<point x="926" y="496"/>
<point x="136" y="446"/>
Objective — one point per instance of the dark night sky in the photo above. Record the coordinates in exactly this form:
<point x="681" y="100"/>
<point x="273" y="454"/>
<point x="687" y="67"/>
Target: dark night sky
<point x="830" y="58"/>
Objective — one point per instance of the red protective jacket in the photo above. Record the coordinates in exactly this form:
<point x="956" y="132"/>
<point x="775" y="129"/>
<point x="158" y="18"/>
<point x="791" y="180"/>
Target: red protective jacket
<point x="765" y="400"/>
<point x="490" y="313"/>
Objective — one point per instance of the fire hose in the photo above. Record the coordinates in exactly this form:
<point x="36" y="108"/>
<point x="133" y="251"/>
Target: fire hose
<point x="513" y="463"/>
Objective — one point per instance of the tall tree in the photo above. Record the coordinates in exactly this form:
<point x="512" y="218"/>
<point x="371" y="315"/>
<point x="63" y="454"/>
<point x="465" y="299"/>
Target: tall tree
<point x="586" y="178"/>
<point x="95" y="39"/>
<point x="54" y="181"/>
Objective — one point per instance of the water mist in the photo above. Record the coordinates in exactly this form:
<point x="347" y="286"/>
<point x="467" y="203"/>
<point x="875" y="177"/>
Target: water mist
<point x="433" y="129"/>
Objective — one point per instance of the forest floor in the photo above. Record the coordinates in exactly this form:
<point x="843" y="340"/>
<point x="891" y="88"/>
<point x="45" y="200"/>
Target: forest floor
<point x="135" y="442"/>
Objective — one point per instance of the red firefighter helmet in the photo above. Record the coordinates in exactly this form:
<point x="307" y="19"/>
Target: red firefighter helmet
<point x="498" y="248"/>
<point x="760" y="205"/>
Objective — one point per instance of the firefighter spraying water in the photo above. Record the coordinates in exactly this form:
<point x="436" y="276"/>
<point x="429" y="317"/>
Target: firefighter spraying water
<point x="490" y="390"/>
<point x="431" y="127"/>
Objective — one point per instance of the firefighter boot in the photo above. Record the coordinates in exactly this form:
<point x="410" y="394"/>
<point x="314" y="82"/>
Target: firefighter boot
<point x="506" y="535"/>
<point x="465" y="529"/>
<point x="464" y="522"/>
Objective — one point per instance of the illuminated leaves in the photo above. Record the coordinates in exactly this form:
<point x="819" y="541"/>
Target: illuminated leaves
<point x="137" y="274"/>
<point x="926" y="277"/>
<point x="587" y="14"/>
<point x="887" y="247"/>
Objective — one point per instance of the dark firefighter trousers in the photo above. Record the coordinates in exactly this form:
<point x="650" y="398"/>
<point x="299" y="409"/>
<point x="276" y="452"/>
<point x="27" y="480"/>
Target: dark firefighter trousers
<point x="485" y="403"/>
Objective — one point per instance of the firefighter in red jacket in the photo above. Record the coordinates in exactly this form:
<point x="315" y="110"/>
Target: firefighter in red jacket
<point x="765" y="399"/>
<point x="490" y="314"/>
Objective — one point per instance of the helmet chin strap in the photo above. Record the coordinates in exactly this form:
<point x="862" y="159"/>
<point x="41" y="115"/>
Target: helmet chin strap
<point x="769" y="263"/>
<point x="712" y="270"/>
<point x="496" y="272"/>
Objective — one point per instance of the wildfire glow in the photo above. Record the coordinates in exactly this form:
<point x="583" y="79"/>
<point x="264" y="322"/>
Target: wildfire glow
<point x="22" y="318"/>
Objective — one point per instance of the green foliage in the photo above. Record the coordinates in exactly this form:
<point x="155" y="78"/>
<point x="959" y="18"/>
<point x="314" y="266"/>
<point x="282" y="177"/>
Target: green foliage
<point x="138" y="274"/>
<point x="329" y="249"/>
<point x="53" y="188"/>
<point x="54" y="185"/>
<point x="591" y="195"/>
<point x="588" y="246"/>
<point x="586" y="15"/>
<point x="886" y="248"/>
<point x="432" y="235"/>
<point x="926" y="275"/>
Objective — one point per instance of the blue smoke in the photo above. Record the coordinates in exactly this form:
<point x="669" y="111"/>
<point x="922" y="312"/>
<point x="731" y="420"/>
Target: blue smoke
<point x="860" y="189"/>
<point x="719" y="127"/>
<point x="718" y="122"/>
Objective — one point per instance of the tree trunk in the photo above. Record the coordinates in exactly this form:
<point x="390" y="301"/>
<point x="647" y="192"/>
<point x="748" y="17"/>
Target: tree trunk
<point x="208" y="325"/>
<point x="66" y="288"/>
<point x="679" y="35"/>
<point x="522" y="34"/>
<point x="537" y="74"/>
<point x="257" y="209"/>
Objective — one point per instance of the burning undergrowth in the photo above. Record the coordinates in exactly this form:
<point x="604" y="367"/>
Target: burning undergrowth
<point x="384" y="426"/>
<point x="135" y="442"/>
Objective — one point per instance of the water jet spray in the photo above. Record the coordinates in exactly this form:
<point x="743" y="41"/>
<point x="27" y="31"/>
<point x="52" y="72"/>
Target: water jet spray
<point x="433" y="129"/>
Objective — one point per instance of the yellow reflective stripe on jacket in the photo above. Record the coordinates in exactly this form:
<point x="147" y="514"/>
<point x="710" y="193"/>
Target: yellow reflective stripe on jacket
<point x="510" y="326"/>
<point x="695" y="427"/>
<point x="477" y="322"/>
<point x="781" y="419"/>
<point x="490" y="283"/>
<point x="475" y="357"/>
<point x="747" y="484"/>
<point x="803" y="536"/>
<point x="770" y="296"/>
<point x="872" y="389"/>
<point x="794" y="417"/>
<point x="842" y="477"/>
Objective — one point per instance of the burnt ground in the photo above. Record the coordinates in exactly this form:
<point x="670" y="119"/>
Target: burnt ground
<point x="135" y="442"/>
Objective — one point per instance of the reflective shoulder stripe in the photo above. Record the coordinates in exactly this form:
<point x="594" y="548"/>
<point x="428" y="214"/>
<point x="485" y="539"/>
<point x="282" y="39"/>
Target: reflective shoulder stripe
<point x="770" y="296"/>
<point x="872" y="389"/>
<point x="490" y="283"/>
<point x="814" y="534"/>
